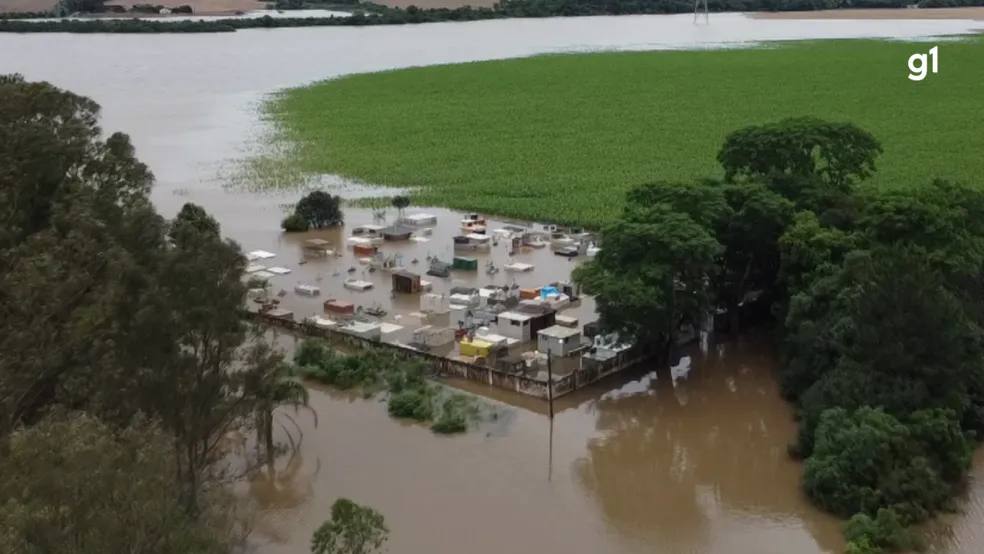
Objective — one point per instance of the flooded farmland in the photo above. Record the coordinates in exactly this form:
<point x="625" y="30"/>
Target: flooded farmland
<point x="688" y="459"/>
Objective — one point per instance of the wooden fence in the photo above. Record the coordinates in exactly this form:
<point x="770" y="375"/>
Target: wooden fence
<point x="446" y="367"/>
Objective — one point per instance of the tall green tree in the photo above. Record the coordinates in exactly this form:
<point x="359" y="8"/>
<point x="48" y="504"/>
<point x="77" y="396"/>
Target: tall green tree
<point x="104" y="305"/>
<point x="75" y="230"/>
<point x="653" y="274"/>
<point x="74" y="485"/>
<point x="839" y="155"/>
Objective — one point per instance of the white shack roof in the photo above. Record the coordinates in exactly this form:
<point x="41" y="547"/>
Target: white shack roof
<point x="559" y="332"/>
<point x="478" y="237"/>
<point x="515" y="316"/>
<point x="421" y="216"/>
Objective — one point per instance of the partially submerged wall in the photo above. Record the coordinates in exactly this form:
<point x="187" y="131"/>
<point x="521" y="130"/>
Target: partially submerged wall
<point x="446" y="367"/>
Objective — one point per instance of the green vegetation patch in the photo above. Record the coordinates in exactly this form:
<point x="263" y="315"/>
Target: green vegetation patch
<point x="411" y="395"/>
<point x="563" y="138"/>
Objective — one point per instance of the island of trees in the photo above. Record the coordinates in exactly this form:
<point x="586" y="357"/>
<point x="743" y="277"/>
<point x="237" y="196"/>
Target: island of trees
<point x="365" y="14"/>
<point x="876" y="293"/>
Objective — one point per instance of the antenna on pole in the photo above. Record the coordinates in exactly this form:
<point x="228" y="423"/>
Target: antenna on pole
<point x="697" y="10"/>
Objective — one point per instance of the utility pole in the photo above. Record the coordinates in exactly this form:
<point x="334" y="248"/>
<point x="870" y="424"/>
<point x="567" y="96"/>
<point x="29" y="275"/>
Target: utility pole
<point x="550" y="385"/>
<point x="697" y="10"/>
<point x="550" y="402"/>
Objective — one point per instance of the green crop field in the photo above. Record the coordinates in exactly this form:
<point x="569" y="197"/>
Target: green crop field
<point x="562" y="137"/>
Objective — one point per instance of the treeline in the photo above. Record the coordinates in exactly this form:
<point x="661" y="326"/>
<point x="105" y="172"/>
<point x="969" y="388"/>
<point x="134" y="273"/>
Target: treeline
<point x="129" y="383"/>
<point x="381" y="15"/>
<point x="877" y="293"/>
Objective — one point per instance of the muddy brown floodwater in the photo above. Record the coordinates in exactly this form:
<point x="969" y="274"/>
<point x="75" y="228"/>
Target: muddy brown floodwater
<point x="684" y="461"/>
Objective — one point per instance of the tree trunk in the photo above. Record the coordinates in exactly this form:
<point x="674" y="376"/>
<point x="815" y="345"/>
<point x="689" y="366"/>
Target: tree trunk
<point x="268" y="432"/>
<point x="734" y="317"/>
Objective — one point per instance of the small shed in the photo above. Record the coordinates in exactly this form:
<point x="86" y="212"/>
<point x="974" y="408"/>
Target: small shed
<point x="523" y="325"/>
<point x="438" y="268"/>
<point x="307" y="290"/>
<point x="511" y="364"/>
<point x="396" y="232"/>
<point x="419" y="220"/>
<point x="567" y="321"/>
<point x="466" y="263"/>
<point x="435" y="303"/>
<point x="529" y="294"/>
<point x="471" y="300"/>
<point x="474" y="347"/>
<point x="514" y="325"/>
<point x="280" y="313"/>
<point x="558" y="340"/>
<point x="406" y="282"/>
<point x="316" y="247"/>
<point x="339" y="307"/>
<point x="430" y="336"/>
<point x="371" y="331"/>
<point x="364" y="250"/>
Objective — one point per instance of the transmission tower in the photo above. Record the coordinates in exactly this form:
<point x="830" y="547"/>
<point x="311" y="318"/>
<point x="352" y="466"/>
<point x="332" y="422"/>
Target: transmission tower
<point x="697" y="10"/>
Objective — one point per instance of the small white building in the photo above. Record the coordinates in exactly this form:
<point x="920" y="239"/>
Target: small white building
<point x="514" y="325"/>
<point x="307" y="290"/>
<point x="430" y="336"/>
<point x="419" y="220"/>
<point x="435" y="303"/>
<point x="371" y="331"/>
<point x="558" y="340"/>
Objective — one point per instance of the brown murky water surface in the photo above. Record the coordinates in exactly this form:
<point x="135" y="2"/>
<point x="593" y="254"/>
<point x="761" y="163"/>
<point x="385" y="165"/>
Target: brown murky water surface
<point x="677" y="461"/>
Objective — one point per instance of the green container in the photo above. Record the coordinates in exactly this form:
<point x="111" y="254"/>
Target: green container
<point x="461" y="262"/>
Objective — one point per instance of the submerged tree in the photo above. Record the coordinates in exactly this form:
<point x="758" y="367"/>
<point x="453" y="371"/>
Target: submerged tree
<point x="320" y="209"/>
<point x="400" y="202"/>
<point x="269" y="383"/>
<point x="352" y="529"/>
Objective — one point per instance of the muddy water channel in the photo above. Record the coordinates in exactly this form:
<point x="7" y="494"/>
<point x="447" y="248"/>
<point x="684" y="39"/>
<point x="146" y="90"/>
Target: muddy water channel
<point x="681" y="460"/>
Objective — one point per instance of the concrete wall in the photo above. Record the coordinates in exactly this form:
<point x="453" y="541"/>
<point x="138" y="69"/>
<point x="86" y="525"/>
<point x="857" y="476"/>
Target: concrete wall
<point x="445" y="367"/>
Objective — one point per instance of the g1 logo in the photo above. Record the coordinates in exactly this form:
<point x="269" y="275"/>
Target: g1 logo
<point x="917" y="64"/>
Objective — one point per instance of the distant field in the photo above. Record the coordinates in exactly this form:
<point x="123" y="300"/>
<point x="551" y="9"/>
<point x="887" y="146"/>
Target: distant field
<point x="21" y="6"/>
<point x="563" y="137"/>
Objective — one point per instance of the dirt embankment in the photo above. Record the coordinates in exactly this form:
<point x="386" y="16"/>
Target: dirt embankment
<point x="914" y="13"/>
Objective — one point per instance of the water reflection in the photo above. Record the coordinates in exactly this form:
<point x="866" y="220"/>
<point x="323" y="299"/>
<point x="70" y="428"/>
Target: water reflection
<point x="679" y="447"/>
<point x="279" y="493"/>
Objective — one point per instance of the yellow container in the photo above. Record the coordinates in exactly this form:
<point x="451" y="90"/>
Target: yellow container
<point x="474" y="347"/>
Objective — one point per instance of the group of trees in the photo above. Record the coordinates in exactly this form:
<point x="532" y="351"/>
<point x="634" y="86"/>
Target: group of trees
<point x="125" y="365"/>
<point x="375" y="14"/>
<point x="877" y="295"/>
<point x="316" y="210"/>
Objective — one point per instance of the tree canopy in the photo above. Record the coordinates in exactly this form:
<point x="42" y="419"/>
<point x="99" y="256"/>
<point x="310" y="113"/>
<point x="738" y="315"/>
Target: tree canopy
<point x="877" y="296"/>
<point x="352" y="529"/>
<point x="127" y="320"/>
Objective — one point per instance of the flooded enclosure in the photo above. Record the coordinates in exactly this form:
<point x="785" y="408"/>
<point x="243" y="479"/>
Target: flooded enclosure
<point x="674" y="461"/>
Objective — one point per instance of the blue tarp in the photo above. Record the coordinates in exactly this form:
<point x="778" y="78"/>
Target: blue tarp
<point x="547" y="291"/>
